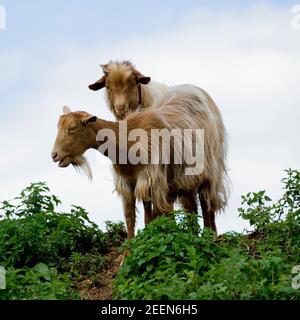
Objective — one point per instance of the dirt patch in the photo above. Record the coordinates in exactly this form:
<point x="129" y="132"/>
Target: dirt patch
<point x="100" y="287"/>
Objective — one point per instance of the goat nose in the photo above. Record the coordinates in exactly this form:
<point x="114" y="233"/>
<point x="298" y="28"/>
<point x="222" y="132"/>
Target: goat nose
<point x="120" y="107"/>
<point x="54" y="155"/>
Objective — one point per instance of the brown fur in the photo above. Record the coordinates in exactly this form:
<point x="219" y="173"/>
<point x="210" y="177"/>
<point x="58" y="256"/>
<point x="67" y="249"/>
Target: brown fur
<point x="187" y="107"/>
<point x="124" y="86"/>
<point x="122" y="82"/>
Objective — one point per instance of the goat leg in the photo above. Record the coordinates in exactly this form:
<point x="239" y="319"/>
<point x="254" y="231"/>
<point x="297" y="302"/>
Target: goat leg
<point x="148" y="214"/>
<point x="129" y="211"/>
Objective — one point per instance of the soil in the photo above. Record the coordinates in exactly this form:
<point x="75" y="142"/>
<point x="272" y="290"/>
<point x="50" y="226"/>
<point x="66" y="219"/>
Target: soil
<point x="100" y="288"/>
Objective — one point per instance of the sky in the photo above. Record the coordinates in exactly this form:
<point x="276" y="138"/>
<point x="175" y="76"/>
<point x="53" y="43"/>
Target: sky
<point x="246" y="54"/>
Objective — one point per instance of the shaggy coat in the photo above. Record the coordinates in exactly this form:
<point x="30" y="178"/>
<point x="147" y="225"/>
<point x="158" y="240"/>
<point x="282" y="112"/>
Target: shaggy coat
<point x="186" y="107"/>
<point x="127" y="91"/>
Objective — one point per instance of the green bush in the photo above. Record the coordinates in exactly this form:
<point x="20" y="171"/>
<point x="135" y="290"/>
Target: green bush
<point x="78" y="266"/>
<point x="45" y="251"/>
<point x="32" y="231"/>
<point x="116" y="232"/>
<point x="168" y="260"/>
<point x="39" y="282"/>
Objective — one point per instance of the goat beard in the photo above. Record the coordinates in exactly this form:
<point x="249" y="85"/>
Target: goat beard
<point x="81" y="164"/>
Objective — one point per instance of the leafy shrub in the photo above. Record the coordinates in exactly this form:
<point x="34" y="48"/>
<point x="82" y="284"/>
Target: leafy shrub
<point x="79" y="266"/>
<point x="115" y="232"/>
<point x="168" y="260"/>
<point x="39" y="282"/>
<point x="32" y="231"/>
<point x="45" y="251"/>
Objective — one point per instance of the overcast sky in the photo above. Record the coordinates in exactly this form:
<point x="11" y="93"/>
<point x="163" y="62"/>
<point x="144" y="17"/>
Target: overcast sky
<point x="245" y="54"/>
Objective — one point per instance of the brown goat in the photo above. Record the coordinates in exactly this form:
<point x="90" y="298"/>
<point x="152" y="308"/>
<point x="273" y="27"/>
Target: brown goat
<point x="188" y="107"/>
<point x="128" y="90"/>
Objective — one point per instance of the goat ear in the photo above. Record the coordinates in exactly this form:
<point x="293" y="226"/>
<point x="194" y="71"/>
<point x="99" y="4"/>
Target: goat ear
<point x="141" y="79"/>
<point x="104" y="68"/>
<point x="99" y="84"/>
<point x="66" y="110"/>
<point x="88" y="119"/>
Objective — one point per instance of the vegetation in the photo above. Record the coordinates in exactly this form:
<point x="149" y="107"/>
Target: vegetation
<point x="168" y="261"/>
<point x="46" y="252"/>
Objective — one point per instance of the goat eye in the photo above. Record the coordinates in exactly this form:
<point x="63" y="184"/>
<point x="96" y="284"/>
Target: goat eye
<point x="72" y="129"/>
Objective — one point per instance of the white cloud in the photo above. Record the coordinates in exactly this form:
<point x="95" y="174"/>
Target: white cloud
<point x="247" y="60"/>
